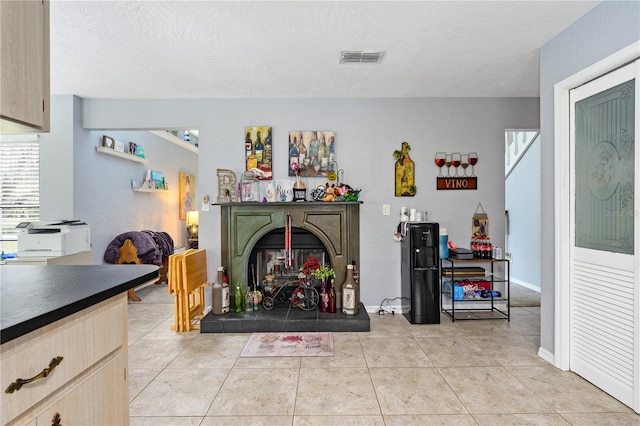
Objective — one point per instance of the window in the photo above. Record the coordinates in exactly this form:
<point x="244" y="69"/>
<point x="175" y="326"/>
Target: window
<point x="19" y="186"/>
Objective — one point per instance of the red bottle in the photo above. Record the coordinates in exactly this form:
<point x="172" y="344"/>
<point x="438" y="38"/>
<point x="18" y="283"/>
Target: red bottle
<point x="332" y="298"/>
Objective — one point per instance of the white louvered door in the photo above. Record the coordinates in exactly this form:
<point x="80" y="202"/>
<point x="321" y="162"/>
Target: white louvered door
<point x="604" y="294"/>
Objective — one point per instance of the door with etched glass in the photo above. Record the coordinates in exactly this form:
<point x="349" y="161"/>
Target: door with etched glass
<point x="603" y="284"/>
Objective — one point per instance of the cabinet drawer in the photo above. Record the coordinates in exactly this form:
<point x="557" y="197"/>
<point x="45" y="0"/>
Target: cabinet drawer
<point x="79" y="407"/>
<point x="82" y="339"/>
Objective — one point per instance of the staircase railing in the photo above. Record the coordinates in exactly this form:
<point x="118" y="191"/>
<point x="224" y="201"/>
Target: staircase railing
<point x="516" y="144"/>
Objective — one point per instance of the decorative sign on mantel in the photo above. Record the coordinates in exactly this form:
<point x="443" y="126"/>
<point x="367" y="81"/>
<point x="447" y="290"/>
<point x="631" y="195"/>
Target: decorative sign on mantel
<point x="457" y="181"/>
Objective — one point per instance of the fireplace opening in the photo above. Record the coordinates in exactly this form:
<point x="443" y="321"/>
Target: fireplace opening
<point x="269" y="257"/>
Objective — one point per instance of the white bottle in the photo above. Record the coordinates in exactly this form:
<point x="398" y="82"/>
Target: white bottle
<point x="220" y="294"/>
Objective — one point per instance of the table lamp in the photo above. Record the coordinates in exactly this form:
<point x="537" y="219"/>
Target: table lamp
<point x="192" y="228"/>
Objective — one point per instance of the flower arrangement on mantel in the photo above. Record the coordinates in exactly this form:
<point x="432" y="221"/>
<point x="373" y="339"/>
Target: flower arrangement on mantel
<point x="313" y="269"/>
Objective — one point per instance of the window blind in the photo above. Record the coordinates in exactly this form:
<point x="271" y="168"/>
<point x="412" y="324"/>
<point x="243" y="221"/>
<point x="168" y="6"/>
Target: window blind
<point x="19" y="186"/>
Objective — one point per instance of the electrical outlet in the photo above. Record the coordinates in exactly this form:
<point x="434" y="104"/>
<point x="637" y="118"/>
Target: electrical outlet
<point x="386" y="209"/>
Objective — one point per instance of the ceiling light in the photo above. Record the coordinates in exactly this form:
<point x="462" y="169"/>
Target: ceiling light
<point x="359" y="57"/>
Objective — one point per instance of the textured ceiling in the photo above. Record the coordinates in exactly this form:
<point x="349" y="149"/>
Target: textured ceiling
<point x="265" y="49"/>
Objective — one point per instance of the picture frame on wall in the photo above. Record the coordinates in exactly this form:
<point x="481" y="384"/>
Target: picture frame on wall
<point x="186" y="193"/>
<point x="139" y="152"/>
<point x="119" y="146"/>
<point x="312" y="153"/>
<point x="108" y="142"/>
<point x="258" y="148"/>
<point x="158" y="180"/>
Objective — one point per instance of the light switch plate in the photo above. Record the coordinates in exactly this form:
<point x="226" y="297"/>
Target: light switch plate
<point x="386" y="209"/>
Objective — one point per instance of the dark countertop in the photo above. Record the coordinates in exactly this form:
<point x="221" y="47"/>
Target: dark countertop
<point x="34" y="296"/>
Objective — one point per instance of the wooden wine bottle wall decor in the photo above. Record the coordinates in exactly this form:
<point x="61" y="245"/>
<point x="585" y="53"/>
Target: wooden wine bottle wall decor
<point x="405" y="185"/>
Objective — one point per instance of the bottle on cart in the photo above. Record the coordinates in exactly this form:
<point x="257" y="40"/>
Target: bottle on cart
<point x="477" y="244"/>
<point x="486" y="249"/>
<point x="444" y="243"/>
<point x="350" y="294"/>
<point x="220" y="294"/>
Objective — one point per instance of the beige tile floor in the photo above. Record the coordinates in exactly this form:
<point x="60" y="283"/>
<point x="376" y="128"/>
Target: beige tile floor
<point x="462" y="373"/>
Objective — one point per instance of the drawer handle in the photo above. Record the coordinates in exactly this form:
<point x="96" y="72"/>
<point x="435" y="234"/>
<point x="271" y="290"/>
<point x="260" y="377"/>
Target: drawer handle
<point x="44" y="373"/>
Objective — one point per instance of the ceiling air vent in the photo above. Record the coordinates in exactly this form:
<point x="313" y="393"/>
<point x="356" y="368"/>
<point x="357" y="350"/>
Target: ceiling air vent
<point x="357" y="57"/>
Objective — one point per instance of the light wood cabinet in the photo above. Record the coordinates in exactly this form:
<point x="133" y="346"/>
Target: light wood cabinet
<point x="93" y="401"/>
<point x="24" y="66"/>
<point x="89" y="386"/>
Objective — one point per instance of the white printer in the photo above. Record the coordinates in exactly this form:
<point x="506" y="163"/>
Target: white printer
<point x="53" y="238"/>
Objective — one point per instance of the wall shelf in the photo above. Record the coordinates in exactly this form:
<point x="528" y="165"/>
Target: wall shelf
<point x="126" y="156"/>
<point x="140" y="189"/>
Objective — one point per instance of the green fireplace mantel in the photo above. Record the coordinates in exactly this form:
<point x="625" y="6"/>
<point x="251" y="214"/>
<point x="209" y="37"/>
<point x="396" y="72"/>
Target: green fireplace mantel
<point x="336" y="224"/>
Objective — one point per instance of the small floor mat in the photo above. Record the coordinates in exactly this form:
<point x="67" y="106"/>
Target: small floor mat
<point x="288" y="344"/>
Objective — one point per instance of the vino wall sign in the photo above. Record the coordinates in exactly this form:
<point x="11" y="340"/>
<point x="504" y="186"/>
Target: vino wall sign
<point x="457" y="179"/>
<point x="457" y="183"/>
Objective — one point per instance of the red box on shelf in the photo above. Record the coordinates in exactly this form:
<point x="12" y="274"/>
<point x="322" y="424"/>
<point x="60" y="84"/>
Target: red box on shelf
<point x="482" y="285"/>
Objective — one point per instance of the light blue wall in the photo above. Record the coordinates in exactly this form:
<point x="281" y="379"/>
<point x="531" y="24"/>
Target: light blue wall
<point x="606" y="29"/>
<point x="522" y="189"/>
<point x="367" y="132"/>
<point x="77" y="182"/>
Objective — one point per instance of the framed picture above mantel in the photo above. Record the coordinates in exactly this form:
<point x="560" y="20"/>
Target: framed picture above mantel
<point x="259" y="151"/>
<point x="311" y="153"/>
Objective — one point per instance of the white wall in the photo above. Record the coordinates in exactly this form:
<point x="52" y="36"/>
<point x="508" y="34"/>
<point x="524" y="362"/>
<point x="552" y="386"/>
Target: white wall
<point x="586" y="42"/>
<point x="522" y="190"/>
<point x="56" y="161"/>
<point x="367" y="133"/>
<point x="100" y="189"/>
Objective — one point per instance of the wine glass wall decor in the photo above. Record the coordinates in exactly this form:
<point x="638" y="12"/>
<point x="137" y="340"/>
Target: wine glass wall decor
<point x="456" y="178"/>
<point x="440" y="159"/>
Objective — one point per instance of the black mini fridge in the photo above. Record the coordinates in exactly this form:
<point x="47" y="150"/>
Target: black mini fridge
<point x="420" y="273"/>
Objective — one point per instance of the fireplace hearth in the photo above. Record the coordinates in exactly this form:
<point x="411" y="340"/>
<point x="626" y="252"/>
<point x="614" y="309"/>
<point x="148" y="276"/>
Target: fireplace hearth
<point x="283" y="318"/>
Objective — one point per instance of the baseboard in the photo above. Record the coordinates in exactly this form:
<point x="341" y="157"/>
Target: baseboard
<point x="525" y="284"/>
<point x="546" y="355"/>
